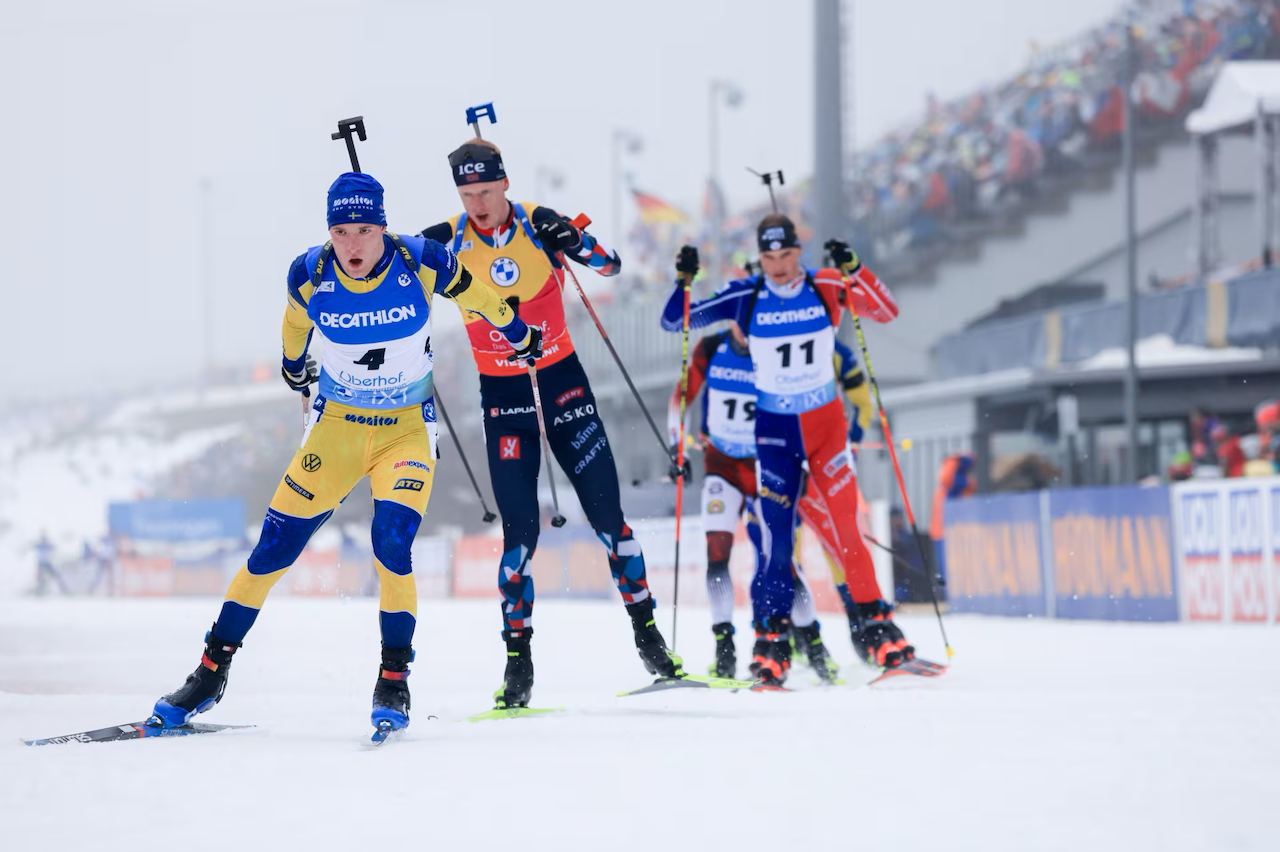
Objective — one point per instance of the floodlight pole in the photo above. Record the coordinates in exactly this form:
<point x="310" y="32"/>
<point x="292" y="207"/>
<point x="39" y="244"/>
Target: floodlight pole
<point x="1131" y="468"/>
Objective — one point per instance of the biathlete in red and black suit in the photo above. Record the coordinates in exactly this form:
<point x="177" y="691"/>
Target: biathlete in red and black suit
<point x="790" y="315"/>
<point x="519" y="248"/>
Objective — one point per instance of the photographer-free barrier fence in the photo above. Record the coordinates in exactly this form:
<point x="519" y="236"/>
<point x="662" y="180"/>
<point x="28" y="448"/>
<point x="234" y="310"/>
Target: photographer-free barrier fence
<point x="1205" y="551"/>
<point x="174" y="558"/>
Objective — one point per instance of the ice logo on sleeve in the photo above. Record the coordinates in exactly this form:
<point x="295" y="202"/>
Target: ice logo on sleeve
<point x="504" y="272"/>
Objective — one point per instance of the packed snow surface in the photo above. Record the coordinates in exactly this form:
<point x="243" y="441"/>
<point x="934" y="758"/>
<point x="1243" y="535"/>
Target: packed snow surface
<point x="1045" y="735"/>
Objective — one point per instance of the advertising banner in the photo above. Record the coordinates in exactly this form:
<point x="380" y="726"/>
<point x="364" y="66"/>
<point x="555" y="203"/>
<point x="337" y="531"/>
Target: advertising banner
<point x="145" y="576"/>
<point x="993" y="552"/>
<point x="568" y="563"/>
<point x="1246" y="555"/>
<point x="177" y="520"/>
<point x="1228" y="549"/>
<point x="1201" y="550"/>
<point x="1273" y="547"/>
<point x="475" y="566"/>
<point x="1112" y="554"/>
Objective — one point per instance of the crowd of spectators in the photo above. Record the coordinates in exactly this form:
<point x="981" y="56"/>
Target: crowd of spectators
<point x="1221" y="448"/>
<point x="983" y="155"/>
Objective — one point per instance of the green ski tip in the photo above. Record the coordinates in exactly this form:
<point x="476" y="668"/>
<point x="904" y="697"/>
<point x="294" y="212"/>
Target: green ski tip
<point x="690" y="682"/>
<point x="721" y="682"/>
<point x="512" y="713"/>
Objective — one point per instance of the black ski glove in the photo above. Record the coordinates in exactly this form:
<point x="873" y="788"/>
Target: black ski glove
<point x="687" y="261"/>
<point x="532" y="350"/>
<point x="558" y="234"/>
<point x="300" y="381"/>
<point x="842" y="256"/>
<point x="685" y="472"/>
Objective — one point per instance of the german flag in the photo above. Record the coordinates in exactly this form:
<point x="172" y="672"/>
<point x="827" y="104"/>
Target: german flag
<point x="654" y="211"/>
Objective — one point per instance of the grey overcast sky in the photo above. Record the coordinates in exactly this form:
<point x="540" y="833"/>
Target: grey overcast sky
<point x="117" y="110"/>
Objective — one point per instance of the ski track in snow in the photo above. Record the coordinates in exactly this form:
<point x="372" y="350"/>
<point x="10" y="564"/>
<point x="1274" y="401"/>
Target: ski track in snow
<point x="1046" y="735"/>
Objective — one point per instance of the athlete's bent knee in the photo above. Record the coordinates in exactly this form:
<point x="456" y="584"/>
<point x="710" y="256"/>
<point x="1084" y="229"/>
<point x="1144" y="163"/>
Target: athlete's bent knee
<point x="394" y="526"/>
<point x="283" y="537"/>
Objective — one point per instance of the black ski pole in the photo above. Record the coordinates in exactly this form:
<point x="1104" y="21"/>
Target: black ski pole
<point x="900" y="559"/>
<point x="582" y="221"/>
<point x="893" y="455"/>
<point x="474" y="114"/>
<point x="686" y="280"/>
<point x="557" y="520"/>
<point x="444" y="412"/>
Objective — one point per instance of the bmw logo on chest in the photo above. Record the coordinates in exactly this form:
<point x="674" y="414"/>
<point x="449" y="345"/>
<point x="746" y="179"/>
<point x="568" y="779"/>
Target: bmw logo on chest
<point x="404" y="279"/>
<point x="504" y="272"/>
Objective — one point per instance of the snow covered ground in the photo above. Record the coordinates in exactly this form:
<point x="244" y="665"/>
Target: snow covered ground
<point x="1046" y="735"/>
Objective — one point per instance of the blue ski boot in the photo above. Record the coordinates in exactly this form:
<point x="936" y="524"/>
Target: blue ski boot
<point x="203" y="687"/>
<point x="391" y="693"/>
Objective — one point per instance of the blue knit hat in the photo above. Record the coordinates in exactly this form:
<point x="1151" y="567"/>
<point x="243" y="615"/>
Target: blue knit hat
<point x="356" y="198"/>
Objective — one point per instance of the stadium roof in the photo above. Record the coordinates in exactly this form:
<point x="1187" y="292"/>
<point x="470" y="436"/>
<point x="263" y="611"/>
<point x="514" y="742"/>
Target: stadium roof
<point x="1238" y="91"/>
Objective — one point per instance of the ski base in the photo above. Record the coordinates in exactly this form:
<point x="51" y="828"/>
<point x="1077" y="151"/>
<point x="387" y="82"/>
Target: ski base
<point x="917" y="667"/>
<point x="690" y="682"/>
<point x="134" y="731"/>
<point x="513" y="713"/>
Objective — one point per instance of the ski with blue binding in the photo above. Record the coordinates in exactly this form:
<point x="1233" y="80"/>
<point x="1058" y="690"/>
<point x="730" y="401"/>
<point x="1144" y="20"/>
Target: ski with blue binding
<point x="134" y="731"/>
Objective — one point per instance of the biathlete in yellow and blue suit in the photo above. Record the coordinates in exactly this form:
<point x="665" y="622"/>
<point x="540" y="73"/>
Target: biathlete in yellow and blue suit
<point x="367" y="294"/>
